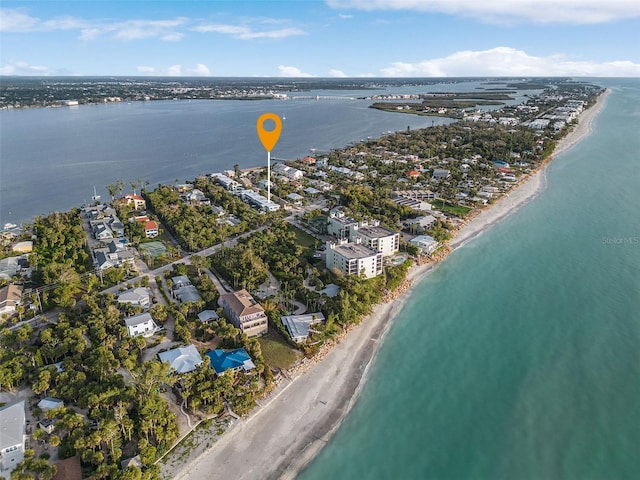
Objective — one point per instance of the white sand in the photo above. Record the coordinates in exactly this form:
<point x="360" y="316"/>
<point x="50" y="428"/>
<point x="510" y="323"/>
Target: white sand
<point x="291" y="427"/>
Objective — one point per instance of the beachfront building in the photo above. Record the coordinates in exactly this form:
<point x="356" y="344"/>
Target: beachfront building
<point x="339" y="225"/>
<point x="421" y="224"/>
<point x="353" y="258"/>
<point x="238" y="360"/>
<point x="377" y="238"/>
<point x="425" y="243"/>
<point x="298" y="326"/>
<point x="12" y="437"/>
<point x="136" y="201"/>
<point x="287" y="171"/>
<point x="141" y="324"/>
<point x="226" y="182"/>
<point x="182" y="359"/>
<point x="244" y="312"/>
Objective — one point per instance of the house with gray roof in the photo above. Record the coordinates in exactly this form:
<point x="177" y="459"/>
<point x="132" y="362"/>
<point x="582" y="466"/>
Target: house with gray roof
<point x="298" y="325"/>
<point x="138" y="297"/>
<point x="141" y="324"/>
<point x="182" y="359"/>
<point x="12" y="437"/>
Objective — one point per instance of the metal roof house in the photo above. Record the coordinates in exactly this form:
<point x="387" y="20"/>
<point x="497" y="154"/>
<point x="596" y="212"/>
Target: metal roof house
<point x="12" y="436"/>
<point x="238" y="359"/>
<point x="182" y="359"/>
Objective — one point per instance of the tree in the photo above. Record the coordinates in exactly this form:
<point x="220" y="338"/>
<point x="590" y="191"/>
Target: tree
<point x="112" y="188"/>
<point x="150" y="376"/>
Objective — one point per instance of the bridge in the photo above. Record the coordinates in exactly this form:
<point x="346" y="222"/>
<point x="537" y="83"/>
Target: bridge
<point x="320" y="97"/>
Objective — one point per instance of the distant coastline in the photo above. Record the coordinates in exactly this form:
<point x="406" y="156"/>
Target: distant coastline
<point x="300" y="417"/>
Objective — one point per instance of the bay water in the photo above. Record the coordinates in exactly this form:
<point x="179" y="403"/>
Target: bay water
<point x="518" y="358"/>
<point x="51" y="158"/>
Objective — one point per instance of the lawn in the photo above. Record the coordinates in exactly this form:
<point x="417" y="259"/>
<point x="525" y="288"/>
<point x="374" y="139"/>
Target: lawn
<point x="277" y="353"/>
<point x="303" y="238"/>
<point x="446" y="207"/>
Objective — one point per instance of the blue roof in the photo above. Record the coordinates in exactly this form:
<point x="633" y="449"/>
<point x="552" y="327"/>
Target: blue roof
<point x="222" y="361"/>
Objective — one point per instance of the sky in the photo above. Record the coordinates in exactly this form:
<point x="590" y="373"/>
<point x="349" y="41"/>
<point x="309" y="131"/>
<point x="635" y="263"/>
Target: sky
<point x="321" y="38"/>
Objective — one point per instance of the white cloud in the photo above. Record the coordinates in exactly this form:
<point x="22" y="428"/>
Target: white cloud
<point x="146" y="70"/>
<point x="337" y="73"/>
<point x="498" y="11"/>
<point x="200" y="70"/>
<point x="344" y="16"/>
<point x="13" y="67"/>
<point x="141" y="29"/>
<point x="286" y="71"/>
<point x="17" y="21"/>
<point x="244" y="32"/>
<point x="505" y="61"/>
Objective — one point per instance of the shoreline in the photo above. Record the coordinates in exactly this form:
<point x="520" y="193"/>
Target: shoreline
<point x="282" y="436"/>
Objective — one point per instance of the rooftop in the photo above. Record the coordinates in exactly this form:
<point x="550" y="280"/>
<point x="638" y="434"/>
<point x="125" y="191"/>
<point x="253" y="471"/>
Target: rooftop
<point x="182" y="359"/>
<point x="12" y="424"/>
<point x="375" y="232"/>
<point x="354" y="251"/>
<point x="222" y="361"/>
<point x="242" y="303"/>
<point x="298" y="325"/>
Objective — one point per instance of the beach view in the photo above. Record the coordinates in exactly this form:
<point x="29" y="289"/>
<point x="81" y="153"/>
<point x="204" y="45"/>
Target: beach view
<point x="232" y="260"/>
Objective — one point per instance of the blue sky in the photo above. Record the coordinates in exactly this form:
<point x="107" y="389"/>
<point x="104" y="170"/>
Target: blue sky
<point x="321" y="38"/>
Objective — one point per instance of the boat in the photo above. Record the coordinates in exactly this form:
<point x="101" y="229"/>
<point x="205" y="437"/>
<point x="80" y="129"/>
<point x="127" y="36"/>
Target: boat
<point x="95" y="196"/>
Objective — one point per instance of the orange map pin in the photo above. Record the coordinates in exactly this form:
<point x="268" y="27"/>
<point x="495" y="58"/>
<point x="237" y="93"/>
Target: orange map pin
<point x="269" y="138"/>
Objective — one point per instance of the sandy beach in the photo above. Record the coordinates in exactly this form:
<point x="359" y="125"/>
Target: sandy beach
<point x="290" y="427"/>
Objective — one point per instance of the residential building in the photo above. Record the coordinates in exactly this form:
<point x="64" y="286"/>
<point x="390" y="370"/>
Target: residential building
<point x="339" y="225"/>
<point x="413" y="203"/>
<point x="244" y="312"/>
<point x="378" y="238"/>
<point x="141" y="324"/>
<point x="354" y="259"/>
<point x="182" y="359"/>
<point x="259" y="201"/>
<point x="10" y="297"/>
<point x="49" y="403"/>
<point x="226" y="182"/>
<point x="115" y="254"/>
<point x="425" y="243"/>
<point x="238" y="360"/>
<point x="417" y="194"/>
<point x="183" y="290"/>
<point x="287" y="171"/>
<point x="136" y="200"/>
<point x="421" y="224"/>
<point x="208" y="316"/>
<point x="298" y="325"/>
<point x="440" y="173"/>
<point x="151" y="228"/>
<point x="12" y="437"/>
<point x="138" y="297"/>
<point x="180" y="281"/>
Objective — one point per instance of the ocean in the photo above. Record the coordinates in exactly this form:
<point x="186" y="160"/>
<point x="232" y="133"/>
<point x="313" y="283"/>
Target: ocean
<point x="518" y="357"/>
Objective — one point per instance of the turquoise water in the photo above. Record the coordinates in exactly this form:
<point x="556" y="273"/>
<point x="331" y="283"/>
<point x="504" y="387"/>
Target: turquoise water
<point x="519" y="357"/>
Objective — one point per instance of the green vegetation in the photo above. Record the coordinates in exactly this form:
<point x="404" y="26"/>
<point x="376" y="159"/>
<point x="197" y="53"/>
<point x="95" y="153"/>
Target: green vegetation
<point x="451" y="208"/>
<point x="277" y="353"/>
